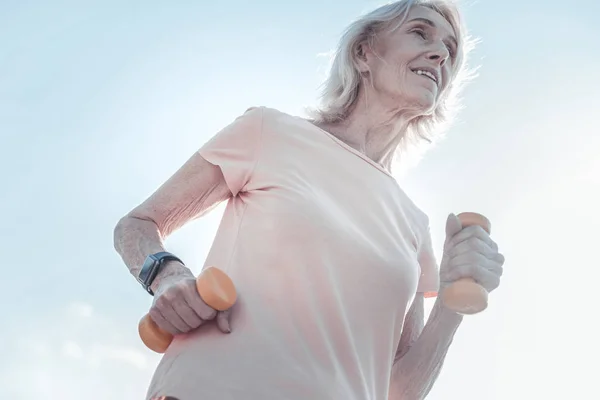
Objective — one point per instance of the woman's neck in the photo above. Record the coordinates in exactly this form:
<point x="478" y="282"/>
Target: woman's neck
<point x="374" y="133"/>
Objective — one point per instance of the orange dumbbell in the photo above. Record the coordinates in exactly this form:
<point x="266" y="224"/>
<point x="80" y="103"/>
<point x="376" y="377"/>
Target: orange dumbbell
<point x="215" y="288"/>
<point x="465" y="296"/>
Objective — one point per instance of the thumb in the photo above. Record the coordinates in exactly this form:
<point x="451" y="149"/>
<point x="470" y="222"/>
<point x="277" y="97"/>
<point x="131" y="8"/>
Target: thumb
<point x="223" y="321"/>
<point x="453" y="225"/>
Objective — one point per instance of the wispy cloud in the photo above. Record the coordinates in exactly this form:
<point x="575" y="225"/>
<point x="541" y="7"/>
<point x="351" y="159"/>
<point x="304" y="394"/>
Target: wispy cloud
<point x="76" y="353"/>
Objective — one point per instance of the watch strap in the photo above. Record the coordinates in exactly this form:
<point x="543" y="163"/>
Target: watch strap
<point x="152" y="267"/>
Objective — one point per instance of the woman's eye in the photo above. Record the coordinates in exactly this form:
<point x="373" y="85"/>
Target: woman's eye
<point x="420" y="33"/>
<point x="451" y="52"/>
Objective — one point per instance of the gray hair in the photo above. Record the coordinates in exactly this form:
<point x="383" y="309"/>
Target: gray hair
<point x="340" y="89"/>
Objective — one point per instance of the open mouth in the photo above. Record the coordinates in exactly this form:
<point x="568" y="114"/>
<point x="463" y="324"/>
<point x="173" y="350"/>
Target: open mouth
<point x="425" y="73"/>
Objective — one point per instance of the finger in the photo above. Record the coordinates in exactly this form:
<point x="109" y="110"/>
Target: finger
<point x="496" y="267"/>
<point x="500" y="258"/>
<point x="203" y="310"/>
<point x="468" y="232"/>
<point x="487" y="279"/>
<point x="164" y="304"/>
<point x="470" y="258"/>
<point x="453" y="225"/>
<point x="175" y="319"/>
<point x="162" y="322"/>
<point x="187" y="314"/>
<point x="472" y="244"/>
<point x="488" y="259"/>
<point x="223" y="321"/>
<point x="478" y="260"/>
<point x="479" y="274"/>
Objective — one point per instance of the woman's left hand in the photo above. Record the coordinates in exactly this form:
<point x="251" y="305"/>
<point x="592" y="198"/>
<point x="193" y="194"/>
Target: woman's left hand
<point x="470" y="252"/>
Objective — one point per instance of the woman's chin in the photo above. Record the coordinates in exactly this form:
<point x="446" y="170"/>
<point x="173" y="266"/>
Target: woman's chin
<point x="424" y="104"/>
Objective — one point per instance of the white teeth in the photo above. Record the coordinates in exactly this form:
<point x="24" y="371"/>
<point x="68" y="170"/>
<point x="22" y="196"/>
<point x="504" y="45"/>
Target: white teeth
<point x="426" y="73"/>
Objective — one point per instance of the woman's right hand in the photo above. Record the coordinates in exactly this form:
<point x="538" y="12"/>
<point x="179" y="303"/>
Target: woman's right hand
<point x="178" y="308"/>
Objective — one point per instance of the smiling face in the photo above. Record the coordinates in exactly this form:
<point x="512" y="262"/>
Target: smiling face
<point x="410" y="67"/>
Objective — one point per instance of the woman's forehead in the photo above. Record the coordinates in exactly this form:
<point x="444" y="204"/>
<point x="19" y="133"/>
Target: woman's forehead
<point x="430" y="17"/>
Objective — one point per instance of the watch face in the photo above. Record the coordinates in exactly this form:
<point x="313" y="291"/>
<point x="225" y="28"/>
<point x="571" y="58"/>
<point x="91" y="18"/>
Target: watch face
<point x="151" y="267"/>
<point x="147" y="268"/>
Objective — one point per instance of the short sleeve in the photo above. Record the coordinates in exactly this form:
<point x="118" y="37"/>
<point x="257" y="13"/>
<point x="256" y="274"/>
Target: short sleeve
<point x="234" y="149"/>
<point x="429" y="280"/>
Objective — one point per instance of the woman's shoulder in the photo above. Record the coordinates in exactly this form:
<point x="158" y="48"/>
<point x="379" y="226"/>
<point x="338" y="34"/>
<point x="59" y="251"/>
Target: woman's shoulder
<point x="270" y="111"/>
<point x="266" y="111"/>
<point x="259" y="118"/>
<point x="277" y="124"/>
<point x="272" y="114"/>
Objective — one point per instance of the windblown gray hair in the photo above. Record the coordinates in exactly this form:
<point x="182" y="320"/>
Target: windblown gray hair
<point x="340" y="89"/>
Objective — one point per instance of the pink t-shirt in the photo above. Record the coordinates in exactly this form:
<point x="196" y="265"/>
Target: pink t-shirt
<point x="326" y="252"/>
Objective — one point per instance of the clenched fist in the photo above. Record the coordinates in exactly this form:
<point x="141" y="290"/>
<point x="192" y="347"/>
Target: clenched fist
<point x="178" y="308"/>
<point x="470" y="253"/>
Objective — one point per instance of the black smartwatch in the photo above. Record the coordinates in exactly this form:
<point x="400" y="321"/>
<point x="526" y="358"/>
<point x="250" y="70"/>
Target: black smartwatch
<point x="152" y="266"/>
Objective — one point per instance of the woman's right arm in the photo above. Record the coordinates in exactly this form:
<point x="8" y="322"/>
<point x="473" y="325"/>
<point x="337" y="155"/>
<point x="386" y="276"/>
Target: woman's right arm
<point x="197" y="187"/>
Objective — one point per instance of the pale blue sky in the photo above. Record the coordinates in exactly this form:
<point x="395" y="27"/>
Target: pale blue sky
<point x="100" y="101"/>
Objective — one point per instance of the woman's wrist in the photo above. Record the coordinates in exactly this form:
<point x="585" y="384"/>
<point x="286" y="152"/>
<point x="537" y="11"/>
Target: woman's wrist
<point x="172" y="271"/>
<point x="444" y="315"/>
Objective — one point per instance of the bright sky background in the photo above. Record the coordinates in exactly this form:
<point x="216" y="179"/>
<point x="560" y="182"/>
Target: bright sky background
<point x="100" y="101"/>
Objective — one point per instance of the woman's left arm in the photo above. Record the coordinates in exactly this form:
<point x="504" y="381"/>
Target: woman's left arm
<point x="422" y="350"/>
<point x="468" y="253"/>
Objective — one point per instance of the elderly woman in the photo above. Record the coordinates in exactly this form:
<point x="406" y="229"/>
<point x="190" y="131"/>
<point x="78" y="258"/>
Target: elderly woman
<point x="330" y="258"/>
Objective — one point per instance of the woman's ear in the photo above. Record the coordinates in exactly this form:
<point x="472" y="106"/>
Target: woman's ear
<point x="362" y="57"/>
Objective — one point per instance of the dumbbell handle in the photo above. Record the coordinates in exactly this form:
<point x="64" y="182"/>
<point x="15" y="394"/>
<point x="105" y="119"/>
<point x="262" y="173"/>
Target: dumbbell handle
<point x="215" y="288"/>
<point x="465" y="296"/>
